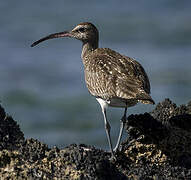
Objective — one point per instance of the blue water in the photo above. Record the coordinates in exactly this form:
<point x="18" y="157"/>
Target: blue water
<point x="43" y="87"/>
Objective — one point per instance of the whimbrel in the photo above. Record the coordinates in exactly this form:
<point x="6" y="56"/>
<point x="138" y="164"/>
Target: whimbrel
<point x="114" y="79"/>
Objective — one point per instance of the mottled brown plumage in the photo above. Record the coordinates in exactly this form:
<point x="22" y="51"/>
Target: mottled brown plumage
<point x="114" y="79"/>
<point x="109" y="74"/>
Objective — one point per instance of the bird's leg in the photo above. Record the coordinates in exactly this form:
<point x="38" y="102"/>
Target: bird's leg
<point x="122" y="123"/>
<point x="107" y="129"/>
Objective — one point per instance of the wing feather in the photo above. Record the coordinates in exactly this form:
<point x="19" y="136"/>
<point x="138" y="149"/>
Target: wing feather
<point x="114" y="75"/>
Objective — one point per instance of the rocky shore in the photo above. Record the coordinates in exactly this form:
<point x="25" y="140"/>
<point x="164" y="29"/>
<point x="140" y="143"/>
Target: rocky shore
<point x="158" y="147"/>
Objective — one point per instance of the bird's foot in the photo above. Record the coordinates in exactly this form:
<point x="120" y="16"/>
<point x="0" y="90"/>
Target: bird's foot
<point x="113" y="157"/>
<point x="117" y="149"/>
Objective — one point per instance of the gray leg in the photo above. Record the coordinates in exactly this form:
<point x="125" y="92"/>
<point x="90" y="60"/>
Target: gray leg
<point x="107" y="129"/>
<point x="122" y="123"/>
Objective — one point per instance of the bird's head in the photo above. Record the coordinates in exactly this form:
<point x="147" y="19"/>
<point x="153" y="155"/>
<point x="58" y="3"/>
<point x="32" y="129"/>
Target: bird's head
<point x="86" y="32"/>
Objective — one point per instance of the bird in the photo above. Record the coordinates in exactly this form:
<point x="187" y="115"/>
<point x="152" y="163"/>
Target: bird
<point x="115" y="80"/>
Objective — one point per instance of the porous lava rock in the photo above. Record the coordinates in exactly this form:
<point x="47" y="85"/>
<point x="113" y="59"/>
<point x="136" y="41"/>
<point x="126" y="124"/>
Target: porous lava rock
<point x="158" y="146"/>
<point x="10" y="134"/>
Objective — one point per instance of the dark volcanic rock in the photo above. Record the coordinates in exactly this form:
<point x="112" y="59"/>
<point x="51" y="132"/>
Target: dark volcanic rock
<point x="33" y="150"/>
<point x="170" y="115"/>
<point x="158" y="147"/>
<point x="159" y="143"/>
<point x="11" y="136"/>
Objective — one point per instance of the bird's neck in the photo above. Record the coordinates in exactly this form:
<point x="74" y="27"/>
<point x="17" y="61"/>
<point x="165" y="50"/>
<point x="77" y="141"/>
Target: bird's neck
<point x="88" y="47"/>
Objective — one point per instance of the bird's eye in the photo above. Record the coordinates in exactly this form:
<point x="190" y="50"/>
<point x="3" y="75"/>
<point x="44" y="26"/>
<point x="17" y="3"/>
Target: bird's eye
<point x="81" y="30"/>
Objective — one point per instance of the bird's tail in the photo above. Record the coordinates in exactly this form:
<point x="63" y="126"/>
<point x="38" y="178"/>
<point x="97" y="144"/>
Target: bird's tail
<point x="145" y="98"/>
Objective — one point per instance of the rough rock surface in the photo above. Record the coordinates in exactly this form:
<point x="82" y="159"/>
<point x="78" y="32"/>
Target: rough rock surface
<point x="10" y="134"/>
<point x="158" y="147"/>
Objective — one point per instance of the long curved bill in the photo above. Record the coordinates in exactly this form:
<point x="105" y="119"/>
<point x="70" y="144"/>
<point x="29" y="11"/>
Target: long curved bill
<point x="51" y="36"/>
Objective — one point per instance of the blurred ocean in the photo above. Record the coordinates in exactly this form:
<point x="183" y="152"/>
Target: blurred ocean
<point x="43" y="87"/>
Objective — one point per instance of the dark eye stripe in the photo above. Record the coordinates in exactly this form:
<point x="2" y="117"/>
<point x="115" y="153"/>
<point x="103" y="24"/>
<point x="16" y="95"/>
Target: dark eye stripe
<point x="81" y="29"/>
